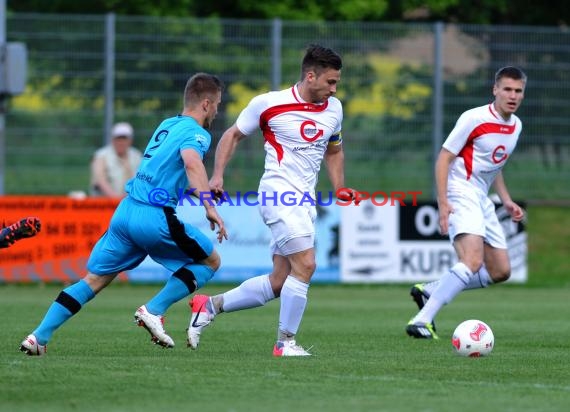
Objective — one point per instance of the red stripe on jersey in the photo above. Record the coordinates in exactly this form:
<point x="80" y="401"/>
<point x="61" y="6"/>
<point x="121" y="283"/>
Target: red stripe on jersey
<point x="273" y="111"/>
<point x="485" y="128"/>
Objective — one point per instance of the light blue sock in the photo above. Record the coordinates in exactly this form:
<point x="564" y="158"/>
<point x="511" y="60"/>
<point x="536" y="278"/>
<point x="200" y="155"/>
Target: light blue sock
<point x="202" y="274"/>
<point x="174" y="290"/>
<point x="68" y="303"/>
<point x="182" y="283"/>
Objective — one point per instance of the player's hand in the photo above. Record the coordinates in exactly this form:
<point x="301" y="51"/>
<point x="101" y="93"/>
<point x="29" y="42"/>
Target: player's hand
<point x="215" y="220"/>
<point x="347" y="194"/>
<point x="516" y="212"/>
<point x="217" y="187"/>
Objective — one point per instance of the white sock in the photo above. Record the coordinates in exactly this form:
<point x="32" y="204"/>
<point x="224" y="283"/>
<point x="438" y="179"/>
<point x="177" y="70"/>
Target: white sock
<point x="252" y="293"/>
<point x="293" y="303"/>
<point x="481" y="279"/>
<point x="449" y="286"/>
<point x="430" y="286"/>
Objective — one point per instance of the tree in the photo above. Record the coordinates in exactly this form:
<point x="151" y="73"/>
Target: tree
<point x="523" y="12"/>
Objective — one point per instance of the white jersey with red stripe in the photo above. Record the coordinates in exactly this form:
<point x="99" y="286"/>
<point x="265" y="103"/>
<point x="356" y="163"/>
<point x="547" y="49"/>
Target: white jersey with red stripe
<point x="296" y="136"/>
<point x="483" y="142"/>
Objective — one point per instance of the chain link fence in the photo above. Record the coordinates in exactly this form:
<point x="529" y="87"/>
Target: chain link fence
<point x="403" y="87"/>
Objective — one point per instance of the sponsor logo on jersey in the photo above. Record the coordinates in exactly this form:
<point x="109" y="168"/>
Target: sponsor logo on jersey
<point x="499" y="154"/>
<point x="309" y="131"/>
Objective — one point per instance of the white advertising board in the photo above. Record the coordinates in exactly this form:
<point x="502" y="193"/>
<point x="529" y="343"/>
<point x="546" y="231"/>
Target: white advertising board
<point x="401" y="244"/>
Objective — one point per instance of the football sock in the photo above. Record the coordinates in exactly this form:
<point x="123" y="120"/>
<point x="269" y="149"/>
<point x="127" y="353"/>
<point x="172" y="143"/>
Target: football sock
<point x="201" y="273"/>
<point x="182" y="282"/>
<point x="429" y="287"/>
<point x="480" y="279"/>
<point x="449" y="286"/>
<point x="251" y="293"/>
<point x="174" y="290"/>
<point x="68" y="303"/>
<point x="293" y="303"/>
<point x="217" y="304"/>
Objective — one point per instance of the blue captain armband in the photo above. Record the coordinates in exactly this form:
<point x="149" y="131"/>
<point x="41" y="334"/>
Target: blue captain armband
<point x="335" y="139"/>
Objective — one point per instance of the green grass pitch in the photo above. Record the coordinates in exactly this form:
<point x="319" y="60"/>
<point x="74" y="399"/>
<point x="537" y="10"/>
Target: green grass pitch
<point x="363" y="360"/>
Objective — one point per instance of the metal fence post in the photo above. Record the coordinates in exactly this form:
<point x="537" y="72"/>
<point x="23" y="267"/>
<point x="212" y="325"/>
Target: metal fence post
<point x="2" y="99"/>
<point x="276" y="54"/>
<point x="437" y="110"/>
<point x="109" y="75"/>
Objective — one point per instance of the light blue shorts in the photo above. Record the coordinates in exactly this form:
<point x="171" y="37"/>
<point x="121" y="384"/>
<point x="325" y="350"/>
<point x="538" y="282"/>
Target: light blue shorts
<point x="137" y="230"/>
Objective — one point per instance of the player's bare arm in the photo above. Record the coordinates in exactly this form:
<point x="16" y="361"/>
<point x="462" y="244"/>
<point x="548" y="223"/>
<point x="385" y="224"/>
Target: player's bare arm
<point x="334" y="161"/>
<point x="224" y="152"/>
<point x="441" y="171"/>
<point x="516" y="212"/>
<point x="198" y="178"/>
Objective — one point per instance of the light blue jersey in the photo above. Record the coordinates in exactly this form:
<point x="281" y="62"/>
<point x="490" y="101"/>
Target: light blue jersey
<point x="161" y="177"/>
<point x="146" y="224"/>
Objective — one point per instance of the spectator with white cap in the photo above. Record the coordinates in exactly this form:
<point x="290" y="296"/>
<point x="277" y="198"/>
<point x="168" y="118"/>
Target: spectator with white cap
<point x="114" y="164"/>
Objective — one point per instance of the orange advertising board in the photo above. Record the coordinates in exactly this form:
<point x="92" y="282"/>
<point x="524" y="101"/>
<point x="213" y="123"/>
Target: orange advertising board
<point x="59" y="253"/>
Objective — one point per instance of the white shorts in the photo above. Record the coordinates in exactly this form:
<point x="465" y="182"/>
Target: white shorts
<point x="292" y="227"/>
<point x="474" y="213"/>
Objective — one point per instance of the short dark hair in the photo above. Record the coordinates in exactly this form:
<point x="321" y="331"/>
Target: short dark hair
<point x="510" y="72"/>
<point x="319" y="58"/>
<point x="201" y="86"/>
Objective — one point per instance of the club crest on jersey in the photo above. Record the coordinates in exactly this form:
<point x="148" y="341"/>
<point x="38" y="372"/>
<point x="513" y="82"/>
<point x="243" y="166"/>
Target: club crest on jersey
<point x="309" y="131"/>
<point x="499" y="154"/>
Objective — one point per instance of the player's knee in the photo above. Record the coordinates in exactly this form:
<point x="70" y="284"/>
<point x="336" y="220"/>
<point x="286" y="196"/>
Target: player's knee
<point x="306" y="268"/>
<point x="214" y="261"/>
<point x="501" y="275"/>
<point x="312" y="267"/>
<point x="499" y="269"/>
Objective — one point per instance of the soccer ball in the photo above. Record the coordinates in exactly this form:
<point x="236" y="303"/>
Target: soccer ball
<point x="473" y="338"/>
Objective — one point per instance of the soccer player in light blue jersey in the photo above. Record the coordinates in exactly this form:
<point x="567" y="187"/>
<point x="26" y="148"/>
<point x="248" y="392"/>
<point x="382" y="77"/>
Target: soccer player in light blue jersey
<point x="145" y="222"/>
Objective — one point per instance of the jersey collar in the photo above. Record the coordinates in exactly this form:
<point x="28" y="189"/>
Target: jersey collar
<point x="497" y="116"/>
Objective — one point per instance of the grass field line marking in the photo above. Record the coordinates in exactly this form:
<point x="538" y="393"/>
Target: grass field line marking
<point x="563" y="388"/>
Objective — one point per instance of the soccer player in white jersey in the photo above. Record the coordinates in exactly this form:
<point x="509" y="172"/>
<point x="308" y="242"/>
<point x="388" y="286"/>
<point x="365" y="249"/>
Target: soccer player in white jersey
<point x="301" y="125"/>
<point x="470" y="162"/>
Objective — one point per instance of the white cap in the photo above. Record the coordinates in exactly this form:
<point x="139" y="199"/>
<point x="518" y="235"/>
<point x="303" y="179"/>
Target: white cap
<point x="122" y="129"/>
